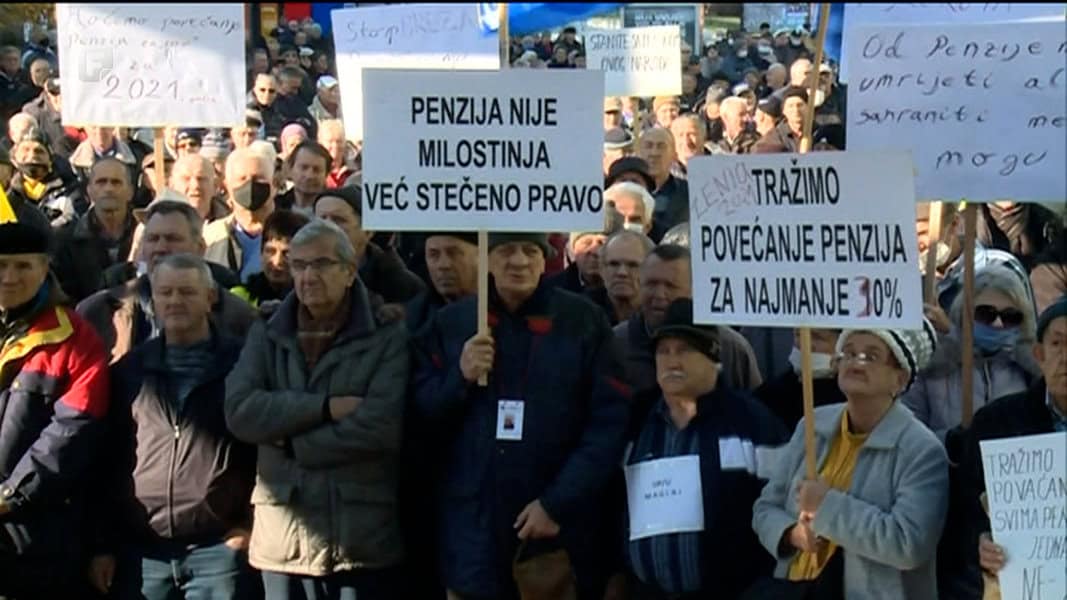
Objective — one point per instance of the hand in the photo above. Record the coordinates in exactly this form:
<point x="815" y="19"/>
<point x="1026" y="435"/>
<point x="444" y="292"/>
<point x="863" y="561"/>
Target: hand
<point x="4" y="507"/>
<point x="990" y="554"/>
<point x="477" y="357"/>
<point x="342" y="406"/>
<point x="534" y="523"/>
<point x="236" y="539"/>
<point x="937" y="317"/>
<point x="803" y="538"/>
<point x="810" y="494"/>
<point x="267" y="307"/>
<point x="391" y="313"/>
<point x="102" y="573"/>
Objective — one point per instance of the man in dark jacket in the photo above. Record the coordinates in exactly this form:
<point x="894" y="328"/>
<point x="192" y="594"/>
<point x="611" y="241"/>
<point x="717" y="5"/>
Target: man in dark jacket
<point x="672" y="194"/>
<point x="381" y="270"/>
<point x="14" y="91"/>
<point x="583" y="272"/>
<point x="452" y="263"/>
<point x="266" y="290"/>
<point x="528" y="457"/>
<point x="100" y="238"/>
<point x="38" y="183"/>
<point x="53" y="398"/>
<point x="786" y="136"/>
<point x="177" y="484"/>
<point x="1041" y="409"/>
<point x="264" y="97"/>
<point x="689" y="541"/>
<point x="665" y="277"/>
<point x="783" y="394"/>
<point x="46" y="109"/>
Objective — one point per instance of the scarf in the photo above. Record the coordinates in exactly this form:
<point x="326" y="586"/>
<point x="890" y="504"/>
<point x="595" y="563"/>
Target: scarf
<point x="315" y="336"/>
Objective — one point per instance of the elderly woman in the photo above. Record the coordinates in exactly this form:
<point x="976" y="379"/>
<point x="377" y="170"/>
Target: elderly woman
<point x="1004" y="328"/>
<point x="320" y="388"/>
<point x="869" y="526"/>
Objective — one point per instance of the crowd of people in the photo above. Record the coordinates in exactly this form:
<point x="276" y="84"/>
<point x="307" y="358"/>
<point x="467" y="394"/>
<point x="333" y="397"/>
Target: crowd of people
<point x="226" y="387"/>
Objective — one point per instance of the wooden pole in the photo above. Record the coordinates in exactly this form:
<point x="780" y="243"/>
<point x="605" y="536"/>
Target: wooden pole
<point x="970" y="218"/>
<point x="159" y="156"/>
<point x="806" y="377"/>
<point x="933" y="233"/>
<point x="483" y="234"/>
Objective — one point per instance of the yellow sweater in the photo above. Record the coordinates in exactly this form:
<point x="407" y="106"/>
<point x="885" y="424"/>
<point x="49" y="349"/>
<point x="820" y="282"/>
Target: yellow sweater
<point x="837" y="470"/>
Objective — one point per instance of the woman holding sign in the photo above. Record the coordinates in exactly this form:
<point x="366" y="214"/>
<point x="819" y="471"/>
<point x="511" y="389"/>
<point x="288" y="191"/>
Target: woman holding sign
<point x="869" y="526"/>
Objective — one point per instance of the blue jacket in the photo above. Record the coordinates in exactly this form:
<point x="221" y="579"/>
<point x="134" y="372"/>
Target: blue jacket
<point x="732" y="557"/>
<point x="556" y="354"/>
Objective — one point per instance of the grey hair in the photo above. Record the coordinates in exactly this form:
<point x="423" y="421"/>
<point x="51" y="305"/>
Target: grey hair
<point x="320" y="228"/>
<point x="646" y="243"/>
<point x="677" y="235"/>
<point x="637" y="191"/>
<point x="167" y="207"/>
<point x="996" y="276"/>
<point x="185" y="262"/>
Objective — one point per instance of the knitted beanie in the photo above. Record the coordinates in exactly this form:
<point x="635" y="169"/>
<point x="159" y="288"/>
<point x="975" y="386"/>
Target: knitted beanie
<point x="913" y="348"/>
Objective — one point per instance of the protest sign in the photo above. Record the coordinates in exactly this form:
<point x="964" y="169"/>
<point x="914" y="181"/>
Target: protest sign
<point x="688" y="16"/>
<point x="777" y="15"/>
<point x="640" y="61"/>
<point x="813" y="240"/>
<point x="981" y="107"/>
<point x="503" y="151"/>
<point x="410" y="36"/>
<point x="1026" y="484"/>
<point x="955" y="13"/>
<point x="151" y="65"/>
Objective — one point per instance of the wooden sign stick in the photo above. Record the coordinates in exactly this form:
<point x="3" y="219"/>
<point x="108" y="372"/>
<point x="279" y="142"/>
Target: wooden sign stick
<point x="970" y="223"/>
<point x="159" y="161"/>
<point x="806" y="377"/>
<point x="933" y="233"/>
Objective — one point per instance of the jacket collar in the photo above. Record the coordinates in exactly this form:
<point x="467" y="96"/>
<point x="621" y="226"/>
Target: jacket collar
<point x="535" y="305"/>
<point x="88" y="227"/>
<point x="885" y="433"/>
<point x="360" y="320"/>
<point x="222" y="346"/>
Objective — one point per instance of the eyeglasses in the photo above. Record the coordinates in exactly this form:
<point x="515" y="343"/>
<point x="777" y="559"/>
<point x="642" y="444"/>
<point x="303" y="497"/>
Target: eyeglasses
<point x="859" y="358"/>
<point x="987" y="315"/>
<point x="267" y="90"/>
<point x="317" y="266"/>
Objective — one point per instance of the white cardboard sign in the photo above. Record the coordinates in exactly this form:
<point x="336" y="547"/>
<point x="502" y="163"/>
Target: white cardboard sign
<point x="637" y="61"/>
<point x="410" y="36"/>
<point x="504" y="150"/>
<point x="1026" y="484"/>
<point x="981" y="107"/>
<point x="152" y="65"/>
<point x="813" y="240"/>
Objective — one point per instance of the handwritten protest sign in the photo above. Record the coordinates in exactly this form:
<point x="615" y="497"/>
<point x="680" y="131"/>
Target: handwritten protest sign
<point x="981" y="107"/>
<point x="151" y="65"/>
<point x="1026" y="483"/>
<point x="956" y="13"/>
<point x="411" y="36"/>
<point x="813" y="240"/>
<point x="640" y="61"/>
<point x="685" y="15"/>
<point x="504" y="151"/>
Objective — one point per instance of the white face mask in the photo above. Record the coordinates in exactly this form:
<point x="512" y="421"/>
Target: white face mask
<point x="742" y="54"/>
<point x="820" y="97"/>
<point x="943" y="253"/>
<point x="635" y="227"/>
<point x="820" y="364"/>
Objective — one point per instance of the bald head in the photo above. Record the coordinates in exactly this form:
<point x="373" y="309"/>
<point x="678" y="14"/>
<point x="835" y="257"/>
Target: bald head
<point x="194" y="177"/>
<point x="19" y="124"/>
<point x="799" y="71"/>
<point x="776" y="74"/>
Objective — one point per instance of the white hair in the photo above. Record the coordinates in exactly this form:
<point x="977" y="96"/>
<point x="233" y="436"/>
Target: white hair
<point x="260" y="151"/>
<point x="735" y="102"/>
<point x="632" y="189"/>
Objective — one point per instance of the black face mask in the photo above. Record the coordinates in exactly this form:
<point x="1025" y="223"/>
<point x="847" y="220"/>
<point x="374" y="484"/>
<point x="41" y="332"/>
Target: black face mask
<point x="35" y="171"/>
<point x="252" y="194"/>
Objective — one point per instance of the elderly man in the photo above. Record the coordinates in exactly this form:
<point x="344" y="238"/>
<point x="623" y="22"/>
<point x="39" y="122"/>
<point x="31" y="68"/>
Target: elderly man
<point x="381" y="270"/>
<point x="636" y="207"/>
<point x="124" y="316"/>
<point x="46" y="109"/>
<point x="786" y="136"/>
<point x="620" y="259"/>
<point x="264" y="101"/>
<point x="1041" y="409"/>
<point x="689" y="133"/>
<point x="265" y="290"/>
<point x="691" y="428"/>
<point x="101" y="142"/>
<point x="657" y="147"/>
<point x="342" y="165"/>
<point x="618" y="143"/>
<point x="17" y="126"/>
<point x="583" y="273"/>
<point x="320" y="388"/>
<point x="194" y="177"/>
<point x="510" y="475"/>
<point x="768" y="113"/>
<point x="54" y="395"/>
<point x="776" y="76"/>
<point x="665" y="276"/>
<point x="612" y="113"/>
<point x="665" y="109"/>
<point x="738" y="136"/>
<point x="327" y="102"/>
<point x="234" y="241"/>
<point x="188" y="509"/>
<point x="799" y="72"/>
<point x="452" y="263"/>
<point x="307" y="166"/>
<point x="784" y="394"/>
<point x="242" y="136"/>
<point x="102" y="237"/>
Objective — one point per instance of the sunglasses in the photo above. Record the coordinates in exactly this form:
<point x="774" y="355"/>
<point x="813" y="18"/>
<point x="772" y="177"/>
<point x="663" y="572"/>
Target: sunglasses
<point x="987" y="315"/>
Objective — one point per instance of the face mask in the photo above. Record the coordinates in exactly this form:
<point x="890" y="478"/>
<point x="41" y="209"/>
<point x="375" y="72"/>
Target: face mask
<point x="252" y="194"/>
<point x="943" y="253"/>
<point x="991" y="340"/>
<point x="820" y="364"/>
<point x="742" y="54"/>
<point x="794" y="42"/>
<point x="35" y="171"/>
<point x="635" y="227"/>
<point x="820" y="97"/>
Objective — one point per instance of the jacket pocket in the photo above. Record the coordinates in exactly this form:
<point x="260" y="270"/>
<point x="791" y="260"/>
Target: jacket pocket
<point x="368" y="531"/>
<point x="277" y="528"/>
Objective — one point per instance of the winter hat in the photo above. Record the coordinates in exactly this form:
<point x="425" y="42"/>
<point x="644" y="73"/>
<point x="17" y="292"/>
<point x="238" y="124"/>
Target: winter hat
<point x="913" y="348"/>
<point x="630" y="164"/>
<point x="661" y="101"/>
<point x="22" y="238"/>
<point x="617" y="138"/>
<point x="678" y="323"/>
<point x="797" y="91"/>
<point x="467" y="236"/>
<point x="1055" y="310"/>
<point x="541" y="239"/>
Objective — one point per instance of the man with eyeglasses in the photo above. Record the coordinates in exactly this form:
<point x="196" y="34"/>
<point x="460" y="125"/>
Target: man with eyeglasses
<point x="620" y="262"/>
<point x="1040" y="409"/>
<point x="320" y="388"/>
<point x="264" y="94"/>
